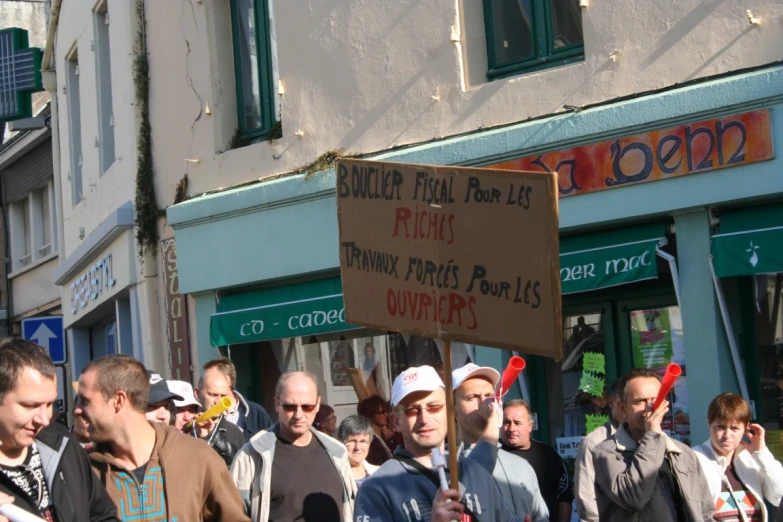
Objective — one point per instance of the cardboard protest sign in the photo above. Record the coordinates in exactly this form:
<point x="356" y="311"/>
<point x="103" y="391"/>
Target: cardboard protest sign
<point x="454" y="253"/>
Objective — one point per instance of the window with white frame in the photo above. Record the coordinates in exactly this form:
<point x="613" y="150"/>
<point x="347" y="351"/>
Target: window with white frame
<point x="103" y="85"/>
<point x="32" y="228"/>
<point x="75" y="127"/>
<point x="19" y="230"/>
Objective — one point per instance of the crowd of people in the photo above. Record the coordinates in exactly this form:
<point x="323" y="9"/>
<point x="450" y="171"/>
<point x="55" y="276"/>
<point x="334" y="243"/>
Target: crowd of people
<point x="140" y="448"/>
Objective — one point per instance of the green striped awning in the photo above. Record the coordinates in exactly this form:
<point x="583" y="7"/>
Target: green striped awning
<point x="295" y="310"/>
<point x="750" y="241"/>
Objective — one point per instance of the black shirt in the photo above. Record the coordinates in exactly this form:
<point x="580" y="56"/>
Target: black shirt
<point x="305" y="484"/>
<point x="551" y="473"/>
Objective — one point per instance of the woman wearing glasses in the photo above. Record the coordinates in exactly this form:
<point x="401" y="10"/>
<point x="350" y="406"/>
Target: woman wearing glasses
<point x="356" y="433"/>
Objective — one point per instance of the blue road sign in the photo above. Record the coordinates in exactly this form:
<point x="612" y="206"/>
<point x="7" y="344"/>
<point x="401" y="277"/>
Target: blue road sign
<point x="47" y="332"/>
<point x="20" y="74"/>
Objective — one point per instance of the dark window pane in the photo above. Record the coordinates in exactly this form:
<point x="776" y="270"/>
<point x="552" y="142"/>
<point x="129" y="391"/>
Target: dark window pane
<point x="513" y="24"/>
<point x="566" y="22"/>
<point x="247" y="70"/>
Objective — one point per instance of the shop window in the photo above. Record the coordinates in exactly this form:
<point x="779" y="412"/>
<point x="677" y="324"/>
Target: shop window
<point x="103" y="338"/>
<point x="103" y="85"/>
<point x="73" y="95"/>
<point x="657" y="340"/>
<point x="768" y="310"/>
<point x="578" y="383"/>
<point x="529" y="35"/>
<point x="349" y="365"/>
<point x="252" y="34"/>
<point x="600" y="343"/>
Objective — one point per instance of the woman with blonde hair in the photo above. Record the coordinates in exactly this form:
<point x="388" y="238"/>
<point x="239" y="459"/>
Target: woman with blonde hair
<point x="740" y="469"/>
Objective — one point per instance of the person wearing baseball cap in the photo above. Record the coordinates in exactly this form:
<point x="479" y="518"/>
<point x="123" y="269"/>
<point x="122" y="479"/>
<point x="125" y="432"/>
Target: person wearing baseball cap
<point x="160" y="406"/>
<point x="407" y="487"/>
<point x="224" y="437"/>
<point x="474" y="390"/>
<point x="187" y="407"/>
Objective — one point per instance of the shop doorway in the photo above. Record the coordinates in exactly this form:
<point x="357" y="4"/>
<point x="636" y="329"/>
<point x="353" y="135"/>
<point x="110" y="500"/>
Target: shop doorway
<point x="605" y="334"/>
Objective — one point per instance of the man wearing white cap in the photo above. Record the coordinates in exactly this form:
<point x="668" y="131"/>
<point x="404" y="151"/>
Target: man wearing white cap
<point x="226" y="438"/>
<point x="474" y="388"/>
<point x="186" y="409"/>
<point x="406" y="488"/>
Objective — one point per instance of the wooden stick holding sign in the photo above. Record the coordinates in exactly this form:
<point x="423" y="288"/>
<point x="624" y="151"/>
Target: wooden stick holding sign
<point x="451" y="418"/>
<point x="451" y="253"/>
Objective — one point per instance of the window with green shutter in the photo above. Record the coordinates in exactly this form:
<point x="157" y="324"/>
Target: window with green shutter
<point x="253" y="66"/>
<point x="529" y="35"/>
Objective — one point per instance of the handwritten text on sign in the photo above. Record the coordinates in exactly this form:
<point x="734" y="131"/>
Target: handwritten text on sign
<point x="455" y="253"/>
<point x="688" y="149"/>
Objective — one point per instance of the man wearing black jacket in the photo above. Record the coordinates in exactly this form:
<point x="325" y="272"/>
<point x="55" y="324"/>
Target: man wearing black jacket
<point x="44" y="472"/>
<point x="219" y="380"/>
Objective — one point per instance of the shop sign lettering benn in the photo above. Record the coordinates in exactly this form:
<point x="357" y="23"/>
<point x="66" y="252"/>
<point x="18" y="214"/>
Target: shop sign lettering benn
<point x="90" y="285"/>
<point x="698" y="147"/>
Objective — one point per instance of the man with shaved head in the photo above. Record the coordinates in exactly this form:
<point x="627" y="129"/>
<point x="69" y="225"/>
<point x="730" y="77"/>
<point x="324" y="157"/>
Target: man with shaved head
<point x="292" y="471"/>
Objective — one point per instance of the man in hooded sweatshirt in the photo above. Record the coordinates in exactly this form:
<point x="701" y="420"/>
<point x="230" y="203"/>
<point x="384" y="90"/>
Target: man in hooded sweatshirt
<point x="151" y="471"/>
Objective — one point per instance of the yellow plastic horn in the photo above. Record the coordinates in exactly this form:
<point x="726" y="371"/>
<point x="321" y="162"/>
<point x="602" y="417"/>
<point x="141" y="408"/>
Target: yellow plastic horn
<point x="224" y="404"/>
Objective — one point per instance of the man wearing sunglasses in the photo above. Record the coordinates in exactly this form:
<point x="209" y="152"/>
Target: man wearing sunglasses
<point x="41" y="471"/>
<point x="406" y="487"/>
<point x="292" y="471"/>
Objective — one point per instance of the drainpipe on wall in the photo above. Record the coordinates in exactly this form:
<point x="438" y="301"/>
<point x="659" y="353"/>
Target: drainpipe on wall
<point x="49" y="77"/>
<point x="49" y="74"/>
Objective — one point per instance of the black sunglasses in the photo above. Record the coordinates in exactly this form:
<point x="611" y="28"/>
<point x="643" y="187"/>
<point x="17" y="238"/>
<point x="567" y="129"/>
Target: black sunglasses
<point x="291" y="408"/>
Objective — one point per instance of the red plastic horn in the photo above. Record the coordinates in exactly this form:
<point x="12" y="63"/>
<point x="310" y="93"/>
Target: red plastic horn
<point x="673" y="371"/>
<point x="515" y="366"/>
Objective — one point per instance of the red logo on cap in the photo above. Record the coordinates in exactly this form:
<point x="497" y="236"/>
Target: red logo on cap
<point x="410" y="377"/>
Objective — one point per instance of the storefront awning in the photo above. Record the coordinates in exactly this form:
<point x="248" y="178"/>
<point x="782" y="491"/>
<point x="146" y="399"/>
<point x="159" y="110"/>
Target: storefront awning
<point x="612" y="258"/>
<point x="289" y="311"/>
<point x="750" y="242"/>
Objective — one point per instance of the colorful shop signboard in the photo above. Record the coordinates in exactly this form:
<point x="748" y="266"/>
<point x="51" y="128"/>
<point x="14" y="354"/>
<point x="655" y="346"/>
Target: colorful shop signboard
<point x="698" y="147"/>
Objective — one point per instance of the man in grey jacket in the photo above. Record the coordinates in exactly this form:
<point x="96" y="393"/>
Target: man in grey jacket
<point x="291" y="471"/>
<point x="640" y="473"/>
<point x="584" y="472"/>
<point x="474" y="388"/>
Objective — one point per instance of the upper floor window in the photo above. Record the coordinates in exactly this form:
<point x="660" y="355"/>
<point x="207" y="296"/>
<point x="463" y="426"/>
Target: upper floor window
<point x="103" y="85"/>
<point x="32" y="227"/>
<point x="251" y="27"/>
<point x="73" y="96"/>
<point x="528" y="35"/>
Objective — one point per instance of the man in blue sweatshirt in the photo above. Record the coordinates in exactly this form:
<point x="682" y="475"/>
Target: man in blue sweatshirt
<point x="406" y="488"/>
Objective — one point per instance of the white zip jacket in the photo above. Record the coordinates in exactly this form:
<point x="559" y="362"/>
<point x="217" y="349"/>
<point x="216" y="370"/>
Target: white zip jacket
<point x="252" y="472"/>
<point x="759" y="472"/>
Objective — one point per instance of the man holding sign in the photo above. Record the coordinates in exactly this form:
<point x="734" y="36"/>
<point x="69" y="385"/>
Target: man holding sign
<point x="406" y="488"/>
